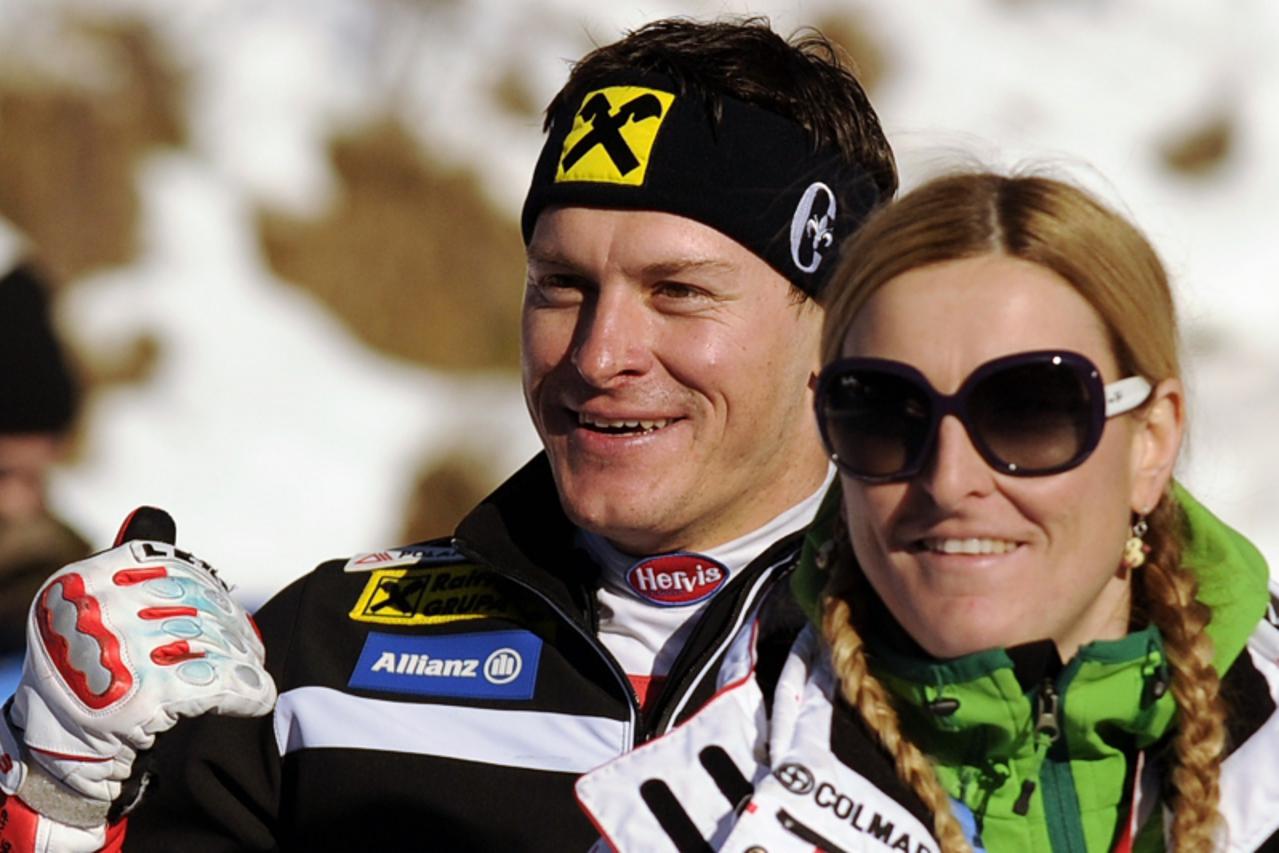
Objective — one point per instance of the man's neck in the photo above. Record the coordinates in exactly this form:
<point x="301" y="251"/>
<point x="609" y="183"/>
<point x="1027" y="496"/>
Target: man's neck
<point x="739" y="550"/>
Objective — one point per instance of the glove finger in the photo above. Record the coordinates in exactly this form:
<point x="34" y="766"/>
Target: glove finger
<point x="178" y="600"/>
<point x="148" y="522"/>
<point x="180" y="640"/>
<point x="186" y="609"/>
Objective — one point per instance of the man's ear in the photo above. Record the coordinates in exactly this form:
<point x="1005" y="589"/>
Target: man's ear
<point x="1156" y="443"/>
<point x="816" y="318"/>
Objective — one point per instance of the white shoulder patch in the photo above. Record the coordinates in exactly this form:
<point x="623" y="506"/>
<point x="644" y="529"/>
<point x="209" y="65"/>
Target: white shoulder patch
<point x="411" y="555"/>
<point x="379" y="560"/>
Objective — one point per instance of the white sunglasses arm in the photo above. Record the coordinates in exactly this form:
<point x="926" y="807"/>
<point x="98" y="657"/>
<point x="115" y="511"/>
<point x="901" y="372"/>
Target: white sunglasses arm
<point x="1126" y="395"/>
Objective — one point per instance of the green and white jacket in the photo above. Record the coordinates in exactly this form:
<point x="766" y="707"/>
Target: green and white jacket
<point x="1036" y="756"/>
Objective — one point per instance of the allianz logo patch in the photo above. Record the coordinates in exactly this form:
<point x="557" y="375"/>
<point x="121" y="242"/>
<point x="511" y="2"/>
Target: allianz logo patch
<point x="491" y="665"/>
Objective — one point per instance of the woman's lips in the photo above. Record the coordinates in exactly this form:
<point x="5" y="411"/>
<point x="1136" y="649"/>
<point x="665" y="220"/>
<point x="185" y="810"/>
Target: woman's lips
<point x="969" y="546"/>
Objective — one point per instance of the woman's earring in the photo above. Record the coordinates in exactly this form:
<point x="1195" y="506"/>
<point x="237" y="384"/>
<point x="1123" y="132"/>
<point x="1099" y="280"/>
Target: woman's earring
<point x="1135" y="549"/>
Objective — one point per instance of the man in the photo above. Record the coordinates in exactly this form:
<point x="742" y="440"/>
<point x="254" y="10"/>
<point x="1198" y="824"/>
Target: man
<point x="37" y="405"/>
<point x="683" y="215"/>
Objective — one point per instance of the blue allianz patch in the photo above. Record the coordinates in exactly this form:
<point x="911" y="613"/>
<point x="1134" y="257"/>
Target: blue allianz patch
<point x="492" y="665"/>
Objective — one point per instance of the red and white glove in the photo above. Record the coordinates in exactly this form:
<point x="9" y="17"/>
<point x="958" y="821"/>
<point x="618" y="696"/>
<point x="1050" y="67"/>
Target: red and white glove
<point x="119" y="646"/>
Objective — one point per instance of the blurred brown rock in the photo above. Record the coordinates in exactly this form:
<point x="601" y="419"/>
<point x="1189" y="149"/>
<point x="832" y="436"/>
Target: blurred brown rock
<point x="414" y="258"/>
<point x="445" y="491"/>
<point x="1200" y="150"/>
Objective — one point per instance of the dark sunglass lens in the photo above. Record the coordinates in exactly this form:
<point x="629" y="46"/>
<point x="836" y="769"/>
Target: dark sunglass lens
<point x="875" y="422"/>
<point x="1033" y="416"/>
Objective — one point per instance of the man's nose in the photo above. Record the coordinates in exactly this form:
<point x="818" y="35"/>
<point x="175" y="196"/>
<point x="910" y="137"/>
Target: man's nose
<point x="613" y="338"/>
<point x="956" y="470"/>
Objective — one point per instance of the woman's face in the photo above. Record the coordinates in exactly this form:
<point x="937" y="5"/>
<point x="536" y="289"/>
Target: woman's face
<point x="967" y="558"/>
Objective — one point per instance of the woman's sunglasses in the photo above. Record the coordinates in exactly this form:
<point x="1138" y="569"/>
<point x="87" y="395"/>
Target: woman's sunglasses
<point x="1028" y="414"/>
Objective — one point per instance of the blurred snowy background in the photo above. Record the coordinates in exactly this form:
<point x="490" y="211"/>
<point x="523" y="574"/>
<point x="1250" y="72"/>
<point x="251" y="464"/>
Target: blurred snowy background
<point x="285" y="244"/>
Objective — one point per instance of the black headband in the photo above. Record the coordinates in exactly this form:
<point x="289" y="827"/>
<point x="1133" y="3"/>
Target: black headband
<point x="632" y="142"/>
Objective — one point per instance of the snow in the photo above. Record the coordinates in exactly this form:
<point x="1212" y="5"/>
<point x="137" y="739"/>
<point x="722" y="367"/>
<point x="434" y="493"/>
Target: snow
<point x="278" y="440"/>
<point x="268" y="431"/>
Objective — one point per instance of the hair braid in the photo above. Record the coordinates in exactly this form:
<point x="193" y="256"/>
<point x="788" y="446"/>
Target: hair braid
<point x="1166" y="592"/>
<point x="869" y="696"/>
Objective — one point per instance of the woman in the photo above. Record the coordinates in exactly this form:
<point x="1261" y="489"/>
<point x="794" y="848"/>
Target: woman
<point x="1029" y="639"/>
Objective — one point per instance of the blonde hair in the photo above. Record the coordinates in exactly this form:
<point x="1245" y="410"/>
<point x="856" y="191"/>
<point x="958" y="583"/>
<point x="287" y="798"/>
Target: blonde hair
<point x="868" y="695"/>
<point x="1110" y="264"/>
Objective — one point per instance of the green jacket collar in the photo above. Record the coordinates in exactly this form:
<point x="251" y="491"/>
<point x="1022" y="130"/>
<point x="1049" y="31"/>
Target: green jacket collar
<point x="1039" y="755"/>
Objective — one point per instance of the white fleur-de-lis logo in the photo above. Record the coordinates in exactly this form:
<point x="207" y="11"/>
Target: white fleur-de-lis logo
<point x="812" y="227"/>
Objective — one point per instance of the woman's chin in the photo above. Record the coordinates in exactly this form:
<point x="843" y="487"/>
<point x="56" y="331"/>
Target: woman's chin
<point x="956" y="632"/>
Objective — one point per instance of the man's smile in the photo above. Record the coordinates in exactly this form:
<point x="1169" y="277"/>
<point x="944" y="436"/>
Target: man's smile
<point x="623" y="425"/>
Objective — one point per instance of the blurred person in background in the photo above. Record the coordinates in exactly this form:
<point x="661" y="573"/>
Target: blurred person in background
<point x="681" y="221"/>
<point x="1023" y="635"/>
<point x="38" y="398"/>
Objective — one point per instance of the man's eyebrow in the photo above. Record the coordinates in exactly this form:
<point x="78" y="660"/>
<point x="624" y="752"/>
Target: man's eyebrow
<point x="680" y="266"/>
<point x="535" y="255"/>
<point x="667" y="268"/>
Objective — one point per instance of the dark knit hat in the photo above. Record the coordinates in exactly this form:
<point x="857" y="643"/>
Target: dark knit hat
<point x="37" y="392"/>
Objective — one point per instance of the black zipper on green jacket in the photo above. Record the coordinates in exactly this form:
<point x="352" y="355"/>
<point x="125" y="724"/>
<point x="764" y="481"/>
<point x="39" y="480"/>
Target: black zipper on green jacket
<point x="1057" y="783"/>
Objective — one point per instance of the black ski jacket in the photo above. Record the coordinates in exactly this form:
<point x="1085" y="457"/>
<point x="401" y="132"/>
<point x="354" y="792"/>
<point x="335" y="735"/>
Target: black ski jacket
<point x="443" y="696"/>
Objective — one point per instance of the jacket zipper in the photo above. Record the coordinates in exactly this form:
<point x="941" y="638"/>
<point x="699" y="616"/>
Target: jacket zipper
<point x="1047" y="730"/>
<point x="1060" y="800"/>
<point x="632" y="701"/>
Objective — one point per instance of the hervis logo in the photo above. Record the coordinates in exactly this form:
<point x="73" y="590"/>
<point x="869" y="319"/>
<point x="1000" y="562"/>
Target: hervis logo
<point x="678" y="579"/>
<point x="612" y="135"/>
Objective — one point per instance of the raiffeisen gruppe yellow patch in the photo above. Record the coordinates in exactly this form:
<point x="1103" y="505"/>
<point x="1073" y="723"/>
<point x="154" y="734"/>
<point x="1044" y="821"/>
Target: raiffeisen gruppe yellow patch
<point x="430" y="596"/>
<point x="612" y="135"/>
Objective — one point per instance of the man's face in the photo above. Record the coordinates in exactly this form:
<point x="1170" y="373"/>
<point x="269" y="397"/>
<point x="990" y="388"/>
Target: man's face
<point x="24" y="464"/>
<point x="666" y="369"/>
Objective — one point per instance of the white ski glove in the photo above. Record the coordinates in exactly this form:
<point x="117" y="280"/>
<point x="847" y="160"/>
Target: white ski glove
<point x="119" y="646"/>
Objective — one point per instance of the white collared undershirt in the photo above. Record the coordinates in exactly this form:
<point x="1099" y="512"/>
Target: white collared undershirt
<point x="645" y="637"/>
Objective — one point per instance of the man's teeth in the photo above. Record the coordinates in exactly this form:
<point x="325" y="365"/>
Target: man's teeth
<point x="969" y="546"/>
<point x="605" y="423"/>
